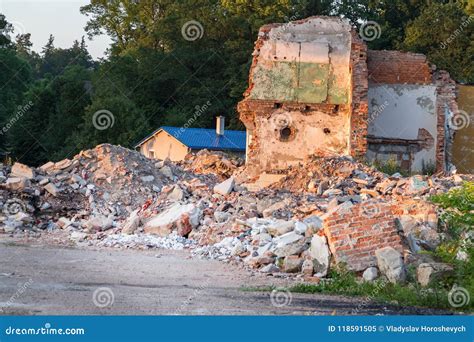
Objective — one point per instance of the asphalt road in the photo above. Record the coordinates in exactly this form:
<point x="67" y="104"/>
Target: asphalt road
<point x="49" y="280"/>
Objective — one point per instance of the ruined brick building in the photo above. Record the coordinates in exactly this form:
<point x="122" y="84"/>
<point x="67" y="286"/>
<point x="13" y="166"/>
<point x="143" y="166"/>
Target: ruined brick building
<point x="314" y="88"/>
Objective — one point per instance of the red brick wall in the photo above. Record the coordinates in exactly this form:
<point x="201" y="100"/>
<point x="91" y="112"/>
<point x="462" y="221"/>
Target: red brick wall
<point x="446" y="91"/>
<point x="395" y="67"/>
<point x="354" y="234"/>
<point x="360" y="106"/>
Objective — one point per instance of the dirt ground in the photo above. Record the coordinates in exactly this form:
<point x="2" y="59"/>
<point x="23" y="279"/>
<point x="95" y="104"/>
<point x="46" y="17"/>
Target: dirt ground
<point x="41" y="279"/>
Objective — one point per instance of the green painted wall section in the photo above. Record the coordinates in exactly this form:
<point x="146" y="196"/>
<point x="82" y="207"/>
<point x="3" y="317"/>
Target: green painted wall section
<point x="337" y="93"/>
<point x="297" y="82"/>
<point x="276" y="83"/>
<point x="313" y="83"/>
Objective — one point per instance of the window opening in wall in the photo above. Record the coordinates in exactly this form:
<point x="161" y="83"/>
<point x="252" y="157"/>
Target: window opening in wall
<point x="285" y="134"/>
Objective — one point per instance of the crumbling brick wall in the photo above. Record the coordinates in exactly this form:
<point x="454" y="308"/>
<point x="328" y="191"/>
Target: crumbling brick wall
<point x="396" y="67"/>
<point x="360" y="86"/>
<point x="419" y="97"/>
<point x="308" y="79"/>
<point x="356" y="232"/>
<point x="313" y="87"/>
<point x="446" y="102"/>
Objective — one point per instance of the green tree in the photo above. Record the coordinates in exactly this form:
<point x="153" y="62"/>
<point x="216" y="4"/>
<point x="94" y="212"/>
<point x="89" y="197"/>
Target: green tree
<point x="15" y="75"/>
<point x="445" y="33"/>
<point x="114" y="120"/>
<point x="73" y="95"/>
<point x="26" y="134"/>
<point x="55" y="60"/>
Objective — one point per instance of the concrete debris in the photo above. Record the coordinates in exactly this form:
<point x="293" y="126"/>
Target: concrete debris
<point x="132" y="223"/>
<point x="142" y="241"/>
<point x="370" y="274"/>
<point x="16" y="184"/>
<point x="52" y="189"/>
<point x="21" y="170"/>
<point x="291" y="264"/>
<point x="225" y="187"/>
<point x="289" y="244"/>
<point x="99" y="222"/>
<point x="390" y="263"/>
<point x="331" y="210"/>
<point x="320" y="255"/>
<point x="216" y="163"/>
<point x="427" y="273"/>
<point x="281" y="227"/>
<point x="107" y="181"/>
<point x="178" y="217"/>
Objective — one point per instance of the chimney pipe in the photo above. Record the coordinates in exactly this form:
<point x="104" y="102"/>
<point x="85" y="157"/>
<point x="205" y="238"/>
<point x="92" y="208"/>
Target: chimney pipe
<point x="220" y="125"/>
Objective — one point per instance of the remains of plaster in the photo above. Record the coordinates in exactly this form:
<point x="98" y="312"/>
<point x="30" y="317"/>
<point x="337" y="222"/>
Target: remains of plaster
<point x="406" y="129"/>
<point x="299" y="98"/>
<point x="309" y="94"/>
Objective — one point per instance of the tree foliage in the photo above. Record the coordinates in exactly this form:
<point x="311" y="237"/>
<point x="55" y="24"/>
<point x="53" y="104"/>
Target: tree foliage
<point x="175" y="62"/>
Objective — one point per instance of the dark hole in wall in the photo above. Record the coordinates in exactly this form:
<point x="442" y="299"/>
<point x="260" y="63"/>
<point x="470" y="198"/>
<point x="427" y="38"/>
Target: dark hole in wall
<point x="326" y="130"/>
<point x="277" y="105"/>
<point x="285" y="134"/>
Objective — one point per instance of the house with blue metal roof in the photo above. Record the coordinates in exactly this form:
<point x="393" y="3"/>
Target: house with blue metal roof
<point x="175" y="143"/>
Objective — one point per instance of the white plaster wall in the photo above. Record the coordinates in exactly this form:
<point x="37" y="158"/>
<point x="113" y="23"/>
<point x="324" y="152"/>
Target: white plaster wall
<point x="399" y="111"/>
<point x="309" y="137"/>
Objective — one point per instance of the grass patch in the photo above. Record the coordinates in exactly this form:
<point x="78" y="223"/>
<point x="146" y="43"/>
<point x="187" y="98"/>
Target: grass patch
<point x="257" y="288"/>
<point x="389" y="167"/>
<point x="347" y="284"/>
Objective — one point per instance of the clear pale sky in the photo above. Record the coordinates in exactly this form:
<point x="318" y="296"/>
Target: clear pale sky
<point x="58" y="17"/>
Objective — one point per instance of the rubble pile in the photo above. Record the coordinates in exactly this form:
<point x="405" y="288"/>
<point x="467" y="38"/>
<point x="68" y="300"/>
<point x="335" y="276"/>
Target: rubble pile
<point x="330" y="211"/>
<point x="174" y="242"/>
<point x="342" y="176"/>
<point x="93" y="191"/>
<point x="218" y="163"/>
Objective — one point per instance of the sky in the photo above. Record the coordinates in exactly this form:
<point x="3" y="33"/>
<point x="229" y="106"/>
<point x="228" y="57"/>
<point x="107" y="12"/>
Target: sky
<point x="58" y="17"/>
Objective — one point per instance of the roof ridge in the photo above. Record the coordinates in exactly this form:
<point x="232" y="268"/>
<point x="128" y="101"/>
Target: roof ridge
<point x="200" y="138"/>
